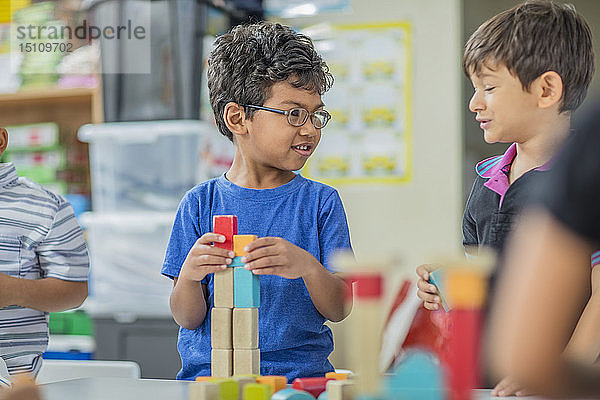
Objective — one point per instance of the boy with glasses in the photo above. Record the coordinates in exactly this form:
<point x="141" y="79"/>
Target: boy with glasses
<point x="255" y="73"/>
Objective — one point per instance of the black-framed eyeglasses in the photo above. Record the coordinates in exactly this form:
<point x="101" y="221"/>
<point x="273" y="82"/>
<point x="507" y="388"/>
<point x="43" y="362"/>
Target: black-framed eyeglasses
<point x="297" y="116"/>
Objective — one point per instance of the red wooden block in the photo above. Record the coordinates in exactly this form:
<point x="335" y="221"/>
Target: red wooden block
<point x="314" y="386"/>
<point x="462" y="358"/>
<point x="225" y="225"/>
<point x="367" y="285"/>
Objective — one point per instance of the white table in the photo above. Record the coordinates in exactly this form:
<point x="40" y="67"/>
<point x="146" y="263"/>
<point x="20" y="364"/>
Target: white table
<point x="148" y="389"/>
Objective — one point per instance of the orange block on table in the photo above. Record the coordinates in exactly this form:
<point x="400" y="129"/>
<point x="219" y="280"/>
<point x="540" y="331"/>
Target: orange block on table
<point x="338" y="376"/>
<point x="241" y="241"/>
<point x="277" y="382"/>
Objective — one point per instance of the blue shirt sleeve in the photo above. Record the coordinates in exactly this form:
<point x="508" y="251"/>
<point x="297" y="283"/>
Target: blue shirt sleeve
<point x="333" y="230"/>
<point x="185" y="232"/>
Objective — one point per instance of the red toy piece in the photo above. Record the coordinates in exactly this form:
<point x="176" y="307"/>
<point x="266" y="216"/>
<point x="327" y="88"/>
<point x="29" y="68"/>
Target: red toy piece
<point x="314" y="386"/>
<point x="225" y="225"/>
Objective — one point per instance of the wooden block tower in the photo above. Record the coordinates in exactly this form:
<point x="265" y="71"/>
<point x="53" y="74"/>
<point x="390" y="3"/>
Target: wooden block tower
<point x="234" y="318"/>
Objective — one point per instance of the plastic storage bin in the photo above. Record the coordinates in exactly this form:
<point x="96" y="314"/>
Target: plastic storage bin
<point x="126" y="254"/>
<point x="143" y="165"/>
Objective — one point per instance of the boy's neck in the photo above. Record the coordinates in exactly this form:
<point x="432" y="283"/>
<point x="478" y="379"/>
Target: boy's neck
<point x="257" y="178"/>
<point x="540" y="148"/>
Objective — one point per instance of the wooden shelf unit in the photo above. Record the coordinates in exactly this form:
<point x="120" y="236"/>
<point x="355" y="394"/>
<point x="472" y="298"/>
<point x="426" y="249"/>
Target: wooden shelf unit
<point x="69" y="108"/>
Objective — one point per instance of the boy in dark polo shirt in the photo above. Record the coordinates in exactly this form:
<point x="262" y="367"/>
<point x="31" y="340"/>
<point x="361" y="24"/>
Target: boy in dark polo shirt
<point x="530" y="67"/>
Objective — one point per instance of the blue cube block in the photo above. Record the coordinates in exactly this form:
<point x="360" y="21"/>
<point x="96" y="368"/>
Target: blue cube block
<point x="246" y="288"/>
<point x="236" y="262"/>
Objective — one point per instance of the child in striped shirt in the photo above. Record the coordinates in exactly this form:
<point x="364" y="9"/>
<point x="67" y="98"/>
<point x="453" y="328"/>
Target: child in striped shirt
<point x="43" y="265"/>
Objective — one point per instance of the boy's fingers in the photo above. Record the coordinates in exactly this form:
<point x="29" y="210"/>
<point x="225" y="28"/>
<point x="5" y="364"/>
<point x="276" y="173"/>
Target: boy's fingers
<point x="207" y="259"/>
<point x="265" y="262"/>
<point x="211" y="269"/>
<point x="430" y="298"/>
<point x="211" y="237"/>
<point x="204" y="249"/>
<point x="267" y="271"/>
<point x="524" y="392"/>
<point x="422" y="272"/>
<point x="259" y="253"/>
<point x="261" y="242"/>
<point x="431" y="306"/>
<point x="505" y="387"/>
<point x="426" y="287"/>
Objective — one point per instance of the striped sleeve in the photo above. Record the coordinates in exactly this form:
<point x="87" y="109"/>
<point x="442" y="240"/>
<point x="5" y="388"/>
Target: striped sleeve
<point x="595" y="258"/>
<point x="63" y="253"/>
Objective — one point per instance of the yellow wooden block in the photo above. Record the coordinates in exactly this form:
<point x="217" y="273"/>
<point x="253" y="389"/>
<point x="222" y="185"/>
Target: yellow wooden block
<point x="338" y="376"/>
<point x="246" y="362"/>
<point x="245" y="328"/>
<point x="221" y="328"/>
<point x="277" y="382"/>
<point x="241" y="241"/>
<point x="221" y="362"/>
<point x="223" y="288"/>
<point x="257" y="391"/>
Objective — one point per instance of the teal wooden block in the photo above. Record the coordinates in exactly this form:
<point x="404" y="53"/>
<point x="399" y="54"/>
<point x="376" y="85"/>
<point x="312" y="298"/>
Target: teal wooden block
<point x="236" y="262"/>
<point x="418" y="376"/>
<point x="292" y="394"/>
<point x="246" y="288"/>
<point x="436" y="278"/>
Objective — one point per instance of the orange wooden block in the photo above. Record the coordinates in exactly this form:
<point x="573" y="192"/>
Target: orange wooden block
<point x="241" y="241"/>
<point x="338" y="376"/>
<point x="466" y="288"/>
<point x="277" y="382"/>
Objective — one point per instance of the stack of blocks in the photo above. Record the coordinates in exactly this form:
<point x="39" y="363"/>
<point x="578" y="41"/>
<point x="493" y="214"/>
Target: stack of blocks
<point x="234" y="318"/>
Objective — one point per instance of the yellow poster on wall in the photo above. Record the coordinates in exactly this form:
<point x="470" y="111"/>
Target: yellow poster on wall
<point x="368" y="139"/>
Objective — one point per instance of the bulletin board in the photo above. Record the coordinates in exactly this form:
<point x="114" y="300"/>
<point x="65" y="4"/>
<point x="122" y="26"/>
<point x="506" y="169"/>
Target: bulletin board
<point x="368" y="140"/>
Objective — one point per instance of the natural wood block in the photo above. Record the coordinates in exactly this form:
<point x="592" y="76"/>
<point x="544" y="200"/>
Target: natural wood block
<point x="204" y="391"/>
<point x="241" y="241"/>
<point x="221" y="362"/>
<point x="242" y="381"/>
<point x="221" y="328"/>
<point x="245" y="328"/>
<point x="246" y="362"/>
<point x="223" y="288"/>
<point x="340" y="390"/>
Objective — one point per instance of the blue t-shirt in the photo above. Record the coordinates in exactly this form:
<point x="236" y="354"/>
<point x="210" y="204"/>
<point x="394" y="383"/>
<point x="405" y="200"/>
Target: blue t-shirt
<point x="292" y="336"/>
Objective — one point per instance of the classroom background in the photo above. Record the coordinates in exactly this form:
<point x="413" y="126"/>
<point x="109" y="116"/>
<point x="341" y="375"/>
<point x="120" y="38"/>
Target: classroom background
<point x="123" y="129"/>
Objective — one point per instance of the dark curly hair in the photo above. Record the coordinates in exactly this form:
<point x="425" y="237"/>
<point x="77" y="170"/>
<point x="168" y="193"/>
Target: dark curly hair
<point x="246" y="62"/>
<point x="535" y="37"/>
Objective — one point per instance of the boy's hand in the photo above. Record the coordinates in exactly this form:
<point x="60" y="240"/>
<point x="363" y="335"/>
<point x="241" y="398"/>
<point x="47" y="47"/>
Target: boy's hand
<point x="508" y="387"/>
<point x="204" y="259"/>
<point x="277" y="256"/>
<point x="427" y="291"/>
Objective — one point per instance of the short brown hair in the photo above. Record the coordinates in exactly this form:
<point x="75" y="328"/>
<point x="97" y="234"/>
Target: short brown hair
<point x="535" y="37"/>
<point x="246" y="62"/>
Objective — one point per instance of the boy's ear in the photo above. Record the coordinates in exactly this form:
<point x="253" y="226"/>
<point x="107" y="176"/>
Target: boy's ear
<point x="550" y="89"/>
<point x="235" y="118"/>
<point x="3" y="140"/>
